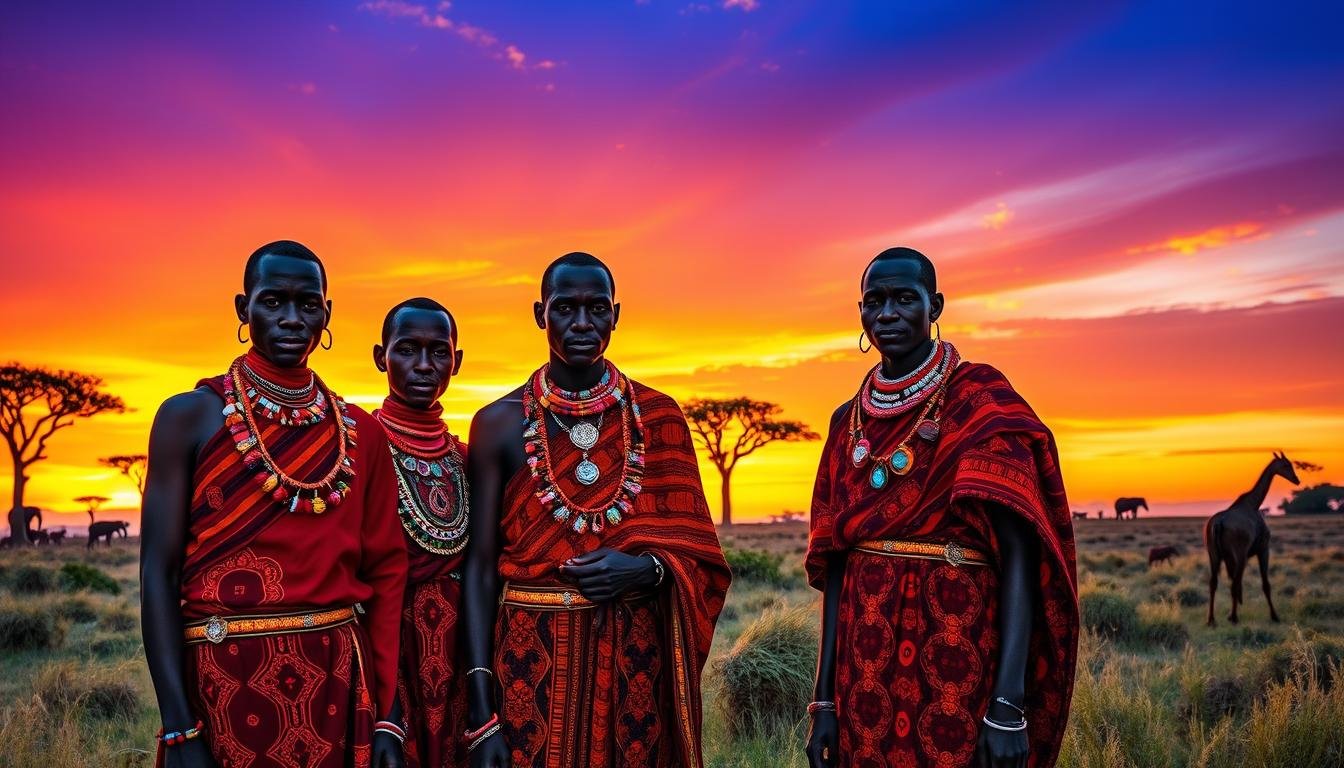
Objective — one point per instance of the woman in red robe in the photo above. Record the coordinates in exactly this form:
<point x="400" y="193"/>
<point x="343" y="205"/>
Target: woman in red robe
<point x="419" y="354"/>
<point x="942" y="541"/>
<point x="272" y="564"/>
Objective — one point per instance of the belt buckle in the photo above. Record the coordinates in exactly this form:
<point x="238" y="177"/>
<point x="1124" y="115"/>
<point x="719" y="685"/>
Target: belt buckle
<point x="216" y="629"/>
<point x="308" y="621"/>
<point x="567" y="599"/>
<point x="954" y="554"/>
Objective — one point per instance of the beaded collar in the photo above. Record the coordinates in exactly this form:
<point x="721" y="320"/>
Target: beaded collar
<point x="548" y="490"/>
<point x="585" y="402"/>
<point x="887" y="398"/>
<point x="296" y="495"/>
<point x="431" y="477"/>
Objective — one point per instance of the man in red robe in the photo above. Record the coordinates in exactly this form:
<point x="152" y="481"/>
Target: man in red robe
<point x="942" y="540"/>
<point x="272" y="564"/>
<point x="594" y="575"/>
<point x="420" y="356"/>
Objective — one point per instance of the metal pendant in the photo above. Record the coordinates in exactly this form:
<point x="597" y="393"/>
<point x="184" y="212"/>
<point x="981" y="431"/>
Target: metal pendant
<point x="583" y="435"/>
<point x="902" y="460"/>
<point x="586" y="472"/>
<point x="928" y="430"/>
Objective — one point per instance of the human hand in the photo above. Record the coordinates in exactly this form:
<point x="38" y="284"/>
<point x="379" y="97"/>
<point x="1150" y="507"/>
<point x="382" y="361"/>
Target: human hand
<point x="823" y="740"/>
<point x="492" y="753"/>
<point x="1002" y="749"/>
<point x="605" y="574"/>
<point x="387" y="751"/>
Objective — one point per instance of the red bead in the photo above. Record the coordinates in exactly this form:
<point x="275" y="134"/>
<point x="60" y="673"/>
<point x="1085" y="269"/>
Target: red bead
<point x="280" y="493"/>
<point x="334" y="499"/>
<point x="306" y="505"/>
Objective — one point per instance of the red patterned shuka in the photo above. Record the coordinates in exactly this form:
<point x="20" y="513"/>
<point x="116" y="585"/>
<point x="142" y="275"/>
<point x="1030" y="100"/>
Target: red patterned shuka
<point x="918" y="639"/>
<point x="297" y="699"/>
<point x="615" y="684"/>
<point x="430" y="684"/>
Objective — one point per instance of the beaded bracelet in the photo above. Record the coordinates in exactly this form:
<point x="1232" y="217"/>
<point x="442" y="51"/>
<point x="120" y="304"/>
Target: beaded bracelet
<point x="1020" y="725"/>
<point x="474" y="670"/>
<point x="471" y="736"/>
<point x="173" y="738"/>
<point x="390" y="728"/>
<point x="821" y="706"/>
<point x="479" y="740"/>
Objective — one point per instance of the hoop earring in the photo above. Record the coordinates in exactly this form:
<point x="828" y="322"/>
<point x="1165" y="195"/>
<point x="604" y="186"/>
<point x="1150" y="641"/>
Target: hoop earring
<point x="863" y="336"/>
<point x="331" y="339"/>
<point x="241" y="340"/>
<point x="937" y="331"/>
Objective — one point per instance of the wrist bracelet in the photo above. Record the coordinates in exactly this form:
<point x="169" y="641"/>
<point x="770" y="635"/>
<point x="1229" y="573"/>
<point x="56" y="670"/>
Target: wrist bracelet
<point x="173" y="738"/>
<point x="474" y="670"/>
<point x="1020" y="725"/>
<point x="657" y="568"/>
<point x="479" y="740"/>
<point x="1011" y="705"/>
<point x="389" y="727"/>
<point x="822" y="706"/>
<point x="476" y="734"/>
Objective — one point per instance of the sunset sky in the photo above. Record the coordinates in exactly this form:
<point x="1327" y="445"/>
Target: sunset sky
<point x="1137" y="212"/>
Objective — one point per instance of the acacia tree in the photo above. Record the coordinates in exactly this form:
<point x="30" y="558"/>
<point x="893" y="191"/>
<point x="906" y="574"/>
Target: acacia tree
<point x="754" y="424"/>
<point x="132" y="466"/>
<point x="35" y="402"/>
<point x="93" y="503"/>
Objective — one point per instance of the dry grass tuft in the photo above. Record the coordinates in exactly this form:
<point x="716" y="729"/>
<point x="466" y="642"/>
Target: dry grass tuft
<point x="765" y="680"/>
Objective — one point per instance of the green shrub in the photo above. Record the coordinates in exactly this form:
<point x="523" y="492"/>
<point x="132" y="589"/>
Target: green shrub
<point x="1317" y="655"/>
<point x="27" y="629"/>
<point x="31" y="579"/>
<point x="1322" y="608"/>
<point x="76" y="610"/>
<point x="1189" y="597"/>
<point x="754" y="565"/>
<point x="1109" y="614"/>
<point x="766" y="678"/>
<point x="1164" y="632"/>
<point x="114" y="646"/>
<point x="119" y="620"/>
<point x="77" y="576"/>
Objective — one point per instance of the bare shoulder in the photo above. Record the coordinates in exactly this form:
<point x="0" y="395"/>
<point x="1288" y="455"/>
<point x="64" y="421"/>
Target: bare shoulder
<point x="187" y="409"/>
<point x="497" y="423"/>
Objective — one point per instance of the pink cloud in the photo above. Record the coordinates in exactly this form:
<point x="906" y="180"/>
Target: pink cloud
<point x="746" y="5"/>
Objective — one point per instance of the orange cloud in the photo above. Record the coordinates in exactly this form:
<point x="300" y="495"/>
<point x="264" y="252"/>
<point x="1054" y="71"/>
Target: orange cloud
<point x="998" y="219"/>
<point x="1216" y="237"/>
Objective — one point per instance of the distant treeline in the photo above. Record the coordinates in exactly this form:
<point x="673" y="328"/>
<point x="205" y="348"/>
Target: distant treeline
<point x="1322" y="499"/>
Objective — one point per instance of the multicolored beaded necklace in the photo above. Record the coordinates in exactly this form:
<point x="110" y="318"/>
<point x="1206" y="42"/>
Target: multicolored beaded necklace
<point x="240" y="403"/>
<point x="936" y="373"/>
<point x="291" y="407"/>
<point x="615" y="390"/>
<point x="431" y="483"/>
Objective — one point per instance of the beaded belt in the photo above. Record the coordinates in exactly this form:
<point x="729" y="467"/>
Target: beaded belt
<point x="950" y="552"/>
<point x="216" y="628"/>
<point x="555" y="598"/>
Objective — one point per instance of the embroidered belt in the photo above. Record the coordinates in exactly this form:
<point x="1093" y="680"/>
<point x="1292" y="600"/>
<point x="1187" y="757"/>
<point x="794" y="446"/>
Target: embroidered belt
<point x="216" y="628"/>
<point x="950" y="552"/>
<point x="555" y="598"/>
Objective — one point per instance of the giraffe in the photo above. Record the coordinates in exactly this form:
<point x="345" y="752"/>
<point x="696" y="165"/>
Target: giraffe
<point x="1240" y="531"/>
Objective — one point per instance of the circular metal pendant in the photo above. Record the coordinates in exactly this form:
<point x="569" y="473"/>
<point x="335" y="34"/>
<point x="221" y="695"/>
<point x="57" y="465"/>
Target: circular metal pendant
<point x="586" y="472"/>
<point x="583" y="435"/>
<point x="928" y="430"/>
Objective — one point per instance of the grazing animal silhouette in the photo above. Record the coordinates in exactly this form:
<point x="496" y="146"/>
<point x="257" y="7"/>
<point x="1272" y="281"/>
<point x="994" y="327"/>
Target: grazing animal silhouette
<point x="1162" y="555"/>
<point x="1240" y="531"/>
<point x="104" y="529"/>
<point x="57" y="536"/>
<point x="1079" y="515"/>
<point x="1131" y="505"/>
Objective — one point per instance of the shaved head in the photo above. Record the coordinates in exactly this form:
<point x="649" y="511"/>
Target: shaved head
<point x="287" y="248"/>
<point x="575" y="259"/>
<point x="419" y="302"/>
<point x="928" y="277"/>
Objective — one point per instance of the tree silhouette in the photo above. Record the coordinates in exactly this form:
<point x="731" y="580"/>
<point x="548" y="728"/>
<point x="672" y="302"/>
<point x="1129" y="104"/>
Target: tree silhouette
<point x="93" y="503"/>
<point x="132" y="466"/>
<point x="755" y="425"/>
<point x="34" y="404"/>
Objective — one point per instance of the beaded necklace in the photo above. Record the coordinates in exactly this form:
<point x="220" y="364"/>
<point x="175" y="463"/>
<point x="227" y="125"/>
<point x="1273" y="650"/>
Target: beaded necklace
<point x="902" y="459"/>
<point x="885" y="398"/>
<point x="562" y="507"/>
<point x="290" y="407"/>
<point x="431" y="485"/>
<point x="585" y="402"/>
<point x="329" y="491"/>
